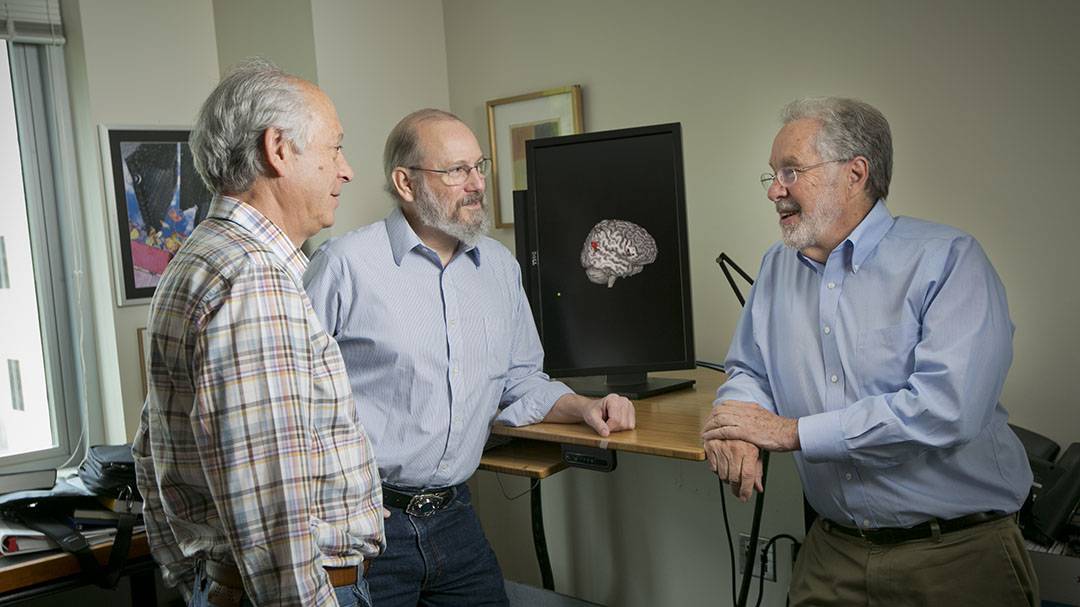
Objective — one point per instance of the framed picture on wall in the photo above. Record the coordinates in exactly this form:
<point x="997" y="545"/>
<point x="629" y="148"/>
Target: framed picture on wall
<point x="514" y="120"/>
<point x="157" y="199"/>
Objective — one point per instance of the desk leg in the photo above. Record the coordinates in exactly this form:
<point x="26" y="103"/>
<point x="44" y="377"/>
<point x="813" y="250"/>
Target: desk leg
<point x="539" y="541"/>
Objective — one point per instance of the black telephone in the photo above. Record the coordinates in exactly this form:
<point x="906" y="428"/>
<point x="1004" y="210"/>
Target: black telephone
<point x="1047" y="516"/>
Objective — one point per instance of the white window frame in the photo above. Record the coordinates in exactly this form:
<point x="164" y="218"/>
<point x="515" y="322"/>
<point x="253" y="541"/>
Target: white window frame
<point x="46" y="148"/>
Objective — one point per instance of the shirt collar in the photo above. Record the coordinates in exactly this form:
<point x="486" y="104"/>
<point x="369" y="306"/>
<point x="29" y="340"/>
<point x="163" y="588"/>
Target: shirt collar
<point x="866" y="236"/>
<point x="862" y="241"/>
<point x="264" y="230"/>
<point x="403" y="239"/>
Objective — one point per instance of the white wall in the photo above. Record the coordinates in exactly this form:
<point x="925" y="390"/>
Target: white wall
<point x="378" y="61"/>
<point x="153" y="63"/>
<point x="982" y="99"/>
<point x="135" y="64"/>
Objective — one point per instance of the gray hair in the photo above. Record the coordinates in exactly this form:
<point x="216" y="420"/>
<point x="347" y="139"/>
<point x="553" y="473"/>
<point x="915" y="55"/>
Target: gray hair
<point x="849" y="128"/>
<point x="403" y="146"/>
<point x="226" y="142"/>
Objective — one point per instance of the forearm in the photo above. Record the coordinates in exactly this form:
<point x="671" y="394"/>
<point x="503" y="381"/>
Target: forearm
<point x="569" y="409"/>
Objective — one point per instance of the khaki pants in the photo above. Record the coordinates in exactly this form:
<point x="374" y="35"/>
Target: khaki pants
<point x="980" y="566"/>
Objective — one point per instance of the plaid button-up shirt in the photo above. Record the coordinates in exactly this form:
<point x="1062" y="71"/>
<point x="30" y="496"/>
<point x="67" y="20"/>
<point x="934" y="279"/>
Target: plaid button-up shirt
<point x="249" y="450"/>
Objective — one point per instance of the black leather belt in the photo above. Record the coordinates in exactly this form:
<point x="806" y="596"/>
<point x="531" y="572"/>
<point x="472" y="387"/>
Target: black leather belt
<point x="895" y="535"/>
<point x="420" y="503"/>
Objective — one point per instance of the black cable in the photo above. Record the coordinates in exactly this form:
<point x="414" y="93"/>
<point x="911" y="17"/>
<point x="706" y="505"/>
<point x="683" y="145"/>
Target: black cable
<point x="765" y="551"/>
<point x="755" y="530"/>
<point x="727" y="533"/>
<point x="710" y="365"/>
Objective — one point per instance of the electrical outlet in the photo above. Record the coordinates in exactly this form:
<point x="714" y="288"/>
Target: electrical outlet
<point x="770" y="560"/>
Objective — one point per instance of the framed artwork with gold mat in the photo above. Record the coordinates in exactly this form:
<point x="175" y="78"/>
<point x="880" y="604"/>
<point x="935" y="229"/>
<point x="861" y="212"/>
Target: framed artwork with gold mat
<point x="514" y="120"/>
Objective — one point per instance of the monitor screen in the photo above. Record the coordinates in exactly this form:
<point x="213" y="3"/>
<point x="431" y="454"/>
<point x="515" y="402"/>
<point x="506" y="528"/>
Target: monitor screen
<point x="606" y="242"/>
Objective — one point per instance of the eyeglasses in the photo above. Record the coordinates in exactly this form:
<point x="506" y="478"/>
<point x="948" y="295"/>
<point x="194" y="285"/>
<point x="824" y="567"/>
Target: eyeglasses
<point x="787" y="176"/>
<point x="458" y="175"/>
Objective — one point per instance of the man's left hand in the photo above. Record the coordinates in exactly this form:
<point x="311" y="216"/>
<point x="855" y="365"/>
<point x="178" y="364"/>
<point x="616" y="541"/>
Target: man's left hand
<point x="752" y="423"/>
<point x="609" y="414"/>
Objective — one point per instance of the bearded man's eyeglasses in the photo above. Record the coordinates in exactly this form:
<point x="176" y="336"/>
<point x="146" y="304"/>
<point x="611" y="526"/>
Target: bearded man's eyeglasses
<point x="787" y="176"/>
<point x="457" y="175"/>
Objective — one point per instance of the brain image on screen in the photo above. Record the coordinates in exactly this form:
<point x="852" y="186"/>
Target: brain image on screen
<point x="616" y="249"/>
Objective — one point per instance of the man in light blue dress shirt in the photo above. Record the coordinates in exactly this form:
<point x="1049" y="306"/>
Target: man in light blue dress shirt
<point x="439" y="342"/>
<point x="875" y="348"/>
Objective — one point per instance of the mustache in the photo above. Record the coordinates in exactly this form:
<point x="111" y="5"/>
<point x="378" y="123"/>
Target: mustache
<point x="471" y="198"/>
<point x="787" y="206"/>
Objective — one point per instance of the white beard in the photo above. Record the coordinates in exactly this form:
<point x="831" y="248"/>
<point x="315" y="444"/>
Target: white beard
<point x="434" y="214"/>
<point x="811" y="226"/>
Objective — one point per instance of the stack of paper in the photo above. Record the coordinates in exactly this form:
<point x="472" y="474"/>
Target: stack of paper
<point x="17" y="539"/>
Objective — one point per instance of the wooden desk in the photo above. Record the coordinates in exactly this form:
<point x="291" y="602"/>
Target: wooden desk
<point x="34" y="575"/>
<point x="529" y="458"/>
<point x="668" y="425"/>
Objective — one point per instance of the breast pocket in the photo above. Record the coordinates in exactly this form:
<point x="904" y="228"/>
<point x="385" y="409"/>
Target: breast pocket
<point x="885" y="358"/>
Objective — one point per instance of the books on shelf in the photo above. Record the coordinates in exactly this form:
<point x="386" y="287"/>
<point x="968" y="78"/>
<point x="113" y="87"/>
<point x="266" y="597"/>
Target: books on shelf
<point x="27" y="481"/>
<point x="18" y="539"/>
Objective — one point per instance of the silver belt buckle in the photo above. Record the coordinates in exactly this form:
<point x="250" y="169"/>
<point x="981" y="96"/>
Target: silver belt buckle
<point x="424" y="504"/>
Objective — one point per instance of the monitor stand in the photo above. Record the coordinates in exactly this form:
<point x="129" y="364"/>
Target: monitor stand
<point x="630" y="385"/>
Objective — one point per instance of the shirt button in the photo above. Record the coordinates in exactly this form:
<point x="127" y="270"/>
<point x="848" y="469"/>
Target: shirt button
<point x="827" y="330"/>
<point x="453" y="322"/>
<point x="848" y="476"/>
<point x="831" y="285"/>
<point x="456" y="371"/>
<point x="866" y="523"/>
<point x="834" y="379"/>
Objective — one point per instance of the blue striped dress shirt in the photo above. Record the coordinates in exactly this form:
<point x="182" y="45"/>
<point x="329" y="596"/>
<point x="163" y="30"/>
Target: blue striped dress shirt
<point x="892" y="354"/>
<point x="434" y="354"/>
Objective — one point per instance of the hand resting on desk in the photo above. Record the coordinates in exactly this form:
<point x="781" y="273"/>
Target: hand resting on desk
<point x="605" y="415"/>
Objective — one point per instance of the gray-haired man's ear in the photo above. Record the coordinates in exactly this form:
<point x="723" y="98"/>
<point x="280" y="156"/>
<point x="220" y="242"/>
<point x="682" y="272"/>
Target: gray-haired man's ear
<point x="403" y="184"/>
<point x="277" y="149"/>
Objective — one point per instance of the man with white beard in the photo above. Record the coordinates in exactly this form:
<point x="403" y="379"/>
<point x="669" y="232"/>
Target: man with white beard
<point x="439" y="342"/>
<point x="875" y="348"/>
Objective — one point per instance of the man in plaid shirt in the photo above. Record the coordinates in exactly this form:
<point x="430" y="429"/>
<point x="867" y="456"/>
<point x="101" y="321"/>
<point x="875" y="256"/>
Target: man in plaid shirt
<point x="259" y="483"/>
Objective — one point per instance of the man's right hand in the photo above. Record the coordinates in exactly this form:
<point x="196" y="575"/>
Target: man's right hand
<point x="737" y="463"/>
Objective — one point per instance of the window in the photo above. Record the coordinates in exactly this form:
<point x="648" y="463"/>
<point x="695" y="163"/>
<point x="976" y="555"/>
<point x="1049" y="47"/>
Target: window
<point x="25" y="421"/>
<point x="40" y="404"/>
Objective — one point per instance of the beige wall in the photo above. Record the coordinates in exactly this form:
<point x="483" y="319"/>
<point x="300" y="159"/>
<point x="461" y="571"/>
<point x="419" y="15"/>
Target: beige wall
<point x="279" y="30"/>
<point x="982" y="98"/>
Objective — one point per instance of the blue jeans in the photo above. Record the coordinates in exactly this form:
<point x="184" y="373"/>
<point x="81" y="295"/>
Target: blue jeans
<point x="356" y="595"/>
<point x="441" y="560"/>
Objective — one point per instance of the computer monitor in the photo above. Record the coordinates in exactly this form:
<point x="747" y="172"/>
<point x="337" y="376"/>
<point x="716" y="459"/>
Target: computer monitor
<point x="602" y="241"/>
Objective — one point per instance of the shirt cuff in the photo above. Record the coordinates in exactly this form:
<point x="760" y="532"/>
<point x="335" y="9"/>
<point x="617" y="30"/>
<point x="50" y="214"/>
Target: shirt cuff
<point x="821" y="437"/>
<point x="534" y="406"/>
